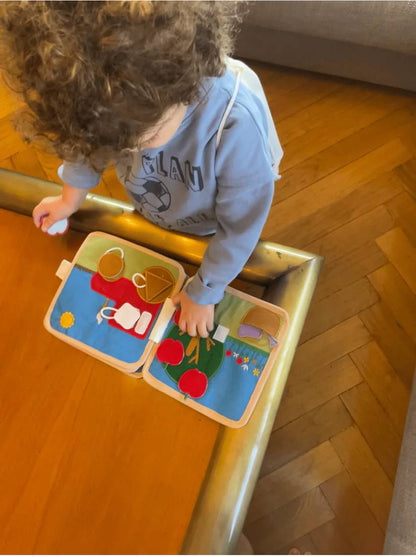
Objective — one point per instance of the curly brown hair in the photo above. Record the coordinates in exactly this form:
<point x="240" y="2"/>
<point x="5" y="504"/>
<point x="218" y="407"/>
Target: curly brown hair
<point x="96" y="76"/>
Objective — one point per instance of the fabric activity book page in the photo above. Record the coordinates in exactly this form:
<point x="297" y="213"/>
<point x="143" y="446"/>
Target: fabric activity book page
<point x="110" y="297"/>
<point x="115" y="304"/>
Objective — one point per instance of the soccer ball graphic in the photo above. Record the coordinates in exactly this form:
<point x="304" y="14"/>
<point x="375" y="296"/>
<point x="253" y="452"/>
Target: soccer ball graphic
<point x="152" y="194"/>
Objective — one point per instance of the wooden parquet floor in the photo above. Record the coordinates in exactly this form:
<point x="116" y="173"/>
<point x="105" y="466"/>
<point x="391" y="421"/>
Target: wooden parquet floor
<point x="348" y="193"/>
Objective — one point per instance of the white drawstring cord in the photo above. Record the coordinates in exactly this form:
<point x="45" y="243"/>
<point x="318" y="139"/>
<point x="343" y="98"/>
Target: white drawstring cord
<point x="230" y="105"/>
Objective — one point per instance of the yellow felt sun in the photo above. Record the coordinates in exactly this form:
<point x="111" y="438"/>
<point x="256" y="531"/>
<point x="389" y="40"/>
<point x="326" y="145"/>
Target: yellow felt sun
<point x="67" y="320"/>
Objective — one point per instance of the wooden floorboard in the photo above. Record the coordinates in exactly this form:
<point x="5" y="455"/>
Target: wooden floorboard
<point x="347" y="192"/>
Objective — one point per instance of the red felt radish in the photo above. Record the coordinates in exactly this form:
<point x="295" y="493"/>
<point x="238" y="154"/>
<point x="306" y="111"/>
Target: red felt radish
<point x="193" y="383"/>
<point x="170" y="352"/>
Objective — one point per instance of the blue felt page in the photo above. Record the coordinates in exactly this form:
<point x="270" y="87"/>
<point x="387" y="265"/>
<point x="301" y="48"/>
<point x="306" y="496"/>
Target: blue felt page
<point x="232" y="368"/>
<point x="79" y="300"/>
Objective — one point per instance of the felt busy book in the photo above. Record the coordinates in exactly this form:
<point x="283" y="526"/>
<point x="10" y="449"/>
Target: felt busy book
<point x="114" y="303"/>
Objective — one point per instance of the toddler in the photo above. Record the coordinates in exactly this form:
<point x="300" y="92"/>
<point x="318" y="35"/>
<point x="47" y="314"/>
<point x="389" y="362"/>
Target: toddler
<point x="146" y="85"/>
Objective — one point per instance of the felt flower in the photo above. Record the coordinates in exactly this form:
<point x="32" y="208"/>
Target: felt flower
<point x="67" y="320"/>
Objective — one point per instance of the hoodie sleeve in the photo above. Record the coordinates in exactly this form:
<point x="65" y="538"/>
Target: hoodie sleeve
<point x="245" y="187"/>
<point x="241" y="214"/>
<point x="78" y="175"/>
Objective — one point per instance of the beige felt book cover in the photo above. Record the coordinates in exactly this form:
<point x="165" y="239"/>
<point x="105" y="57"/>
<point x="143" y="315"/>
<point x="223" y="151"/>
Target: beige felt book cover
<point x="114" y="303"/>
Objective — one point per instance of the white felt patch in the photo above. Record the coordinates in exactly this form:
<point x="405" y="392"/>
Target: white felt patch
<point x="59" y="227"/>
<point x="221" y="333"/>
<point x="63" y="269"/>
<point x="143" y="323"/>
<point x="126" y="315"/>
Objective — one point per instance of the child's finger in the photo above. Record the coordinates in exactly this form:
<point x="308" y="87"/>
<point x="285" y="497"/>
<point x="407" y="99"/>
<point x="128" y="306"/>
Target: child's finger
<point x="38" y="216"/>
<point x="182" y="324"/>
<point x="47" y="222"/>
<point x="191" y="329"/>
<point x="202" y="329"/>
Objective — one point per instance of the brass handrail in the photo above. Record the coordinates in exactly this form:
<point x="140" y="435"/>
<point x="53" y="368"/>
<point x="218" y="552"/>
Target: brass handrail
<point x="21" y="193"/>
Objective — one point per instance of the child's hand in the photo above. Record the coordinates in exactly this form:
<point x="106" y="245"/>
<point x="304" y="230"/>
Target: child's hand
<point x="195" y="319"/>
<point x="49" y="211"/>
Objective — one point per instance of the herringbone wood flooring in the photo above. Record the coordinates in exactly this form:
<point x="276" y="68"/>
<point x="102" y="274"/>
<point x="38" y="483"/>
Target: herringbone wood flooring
<point x="347" y="192"/>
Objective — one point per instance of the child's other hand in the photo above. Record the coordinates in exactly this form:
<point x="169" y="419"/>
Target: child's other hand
<point x="49" y="211"/>
<point x="195" y="319"/>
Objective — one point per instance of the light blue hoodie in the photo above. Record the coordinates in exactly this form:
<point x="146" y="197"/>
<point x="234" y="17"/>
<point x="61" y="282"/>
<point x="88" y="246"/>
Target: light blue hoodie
<point x="194" y="186"/>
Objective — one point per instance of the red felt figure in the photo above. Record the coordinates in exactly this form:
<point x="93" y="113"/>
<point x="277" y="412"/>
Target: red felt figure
<point x="193" y="383"/>
<point x="171" y="352"/>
